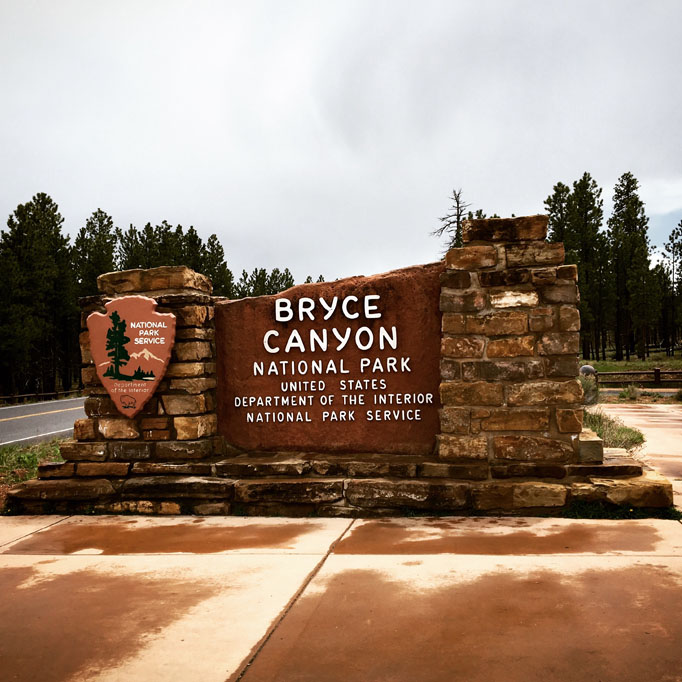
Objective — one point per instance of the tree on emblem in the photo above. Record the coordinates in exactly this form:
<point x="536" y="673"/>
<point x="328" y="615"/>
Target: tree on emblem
<point x="116" y="345"/>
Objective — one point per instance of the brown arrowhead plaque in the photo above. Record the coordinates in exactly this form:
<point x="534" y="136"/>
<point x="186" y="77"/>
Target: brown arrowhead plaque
<point x="131" y="347"/>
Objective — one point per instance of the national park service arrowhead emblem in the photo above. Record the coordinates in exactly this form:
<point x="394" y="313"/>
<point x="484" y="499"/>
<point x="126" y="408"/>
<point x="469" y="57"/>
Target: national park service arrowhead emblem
<point x="131" y="348"/>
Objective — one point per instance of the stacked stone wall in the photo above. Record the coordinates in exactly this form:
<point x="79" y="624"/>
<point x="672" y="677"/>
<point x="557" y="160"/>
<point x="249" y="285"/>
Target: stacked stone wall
<point x="512" y="405"/>
<point x="177" y="426"/>
<point x="509" y="440"/>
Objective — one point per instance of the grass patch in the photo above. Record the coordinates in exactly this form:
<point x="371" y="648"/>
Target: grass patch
<point x="612" y="431"/>
<point x="630" y="392"/>
<point x="20" y="462"/>
<point x="655" y="360"/>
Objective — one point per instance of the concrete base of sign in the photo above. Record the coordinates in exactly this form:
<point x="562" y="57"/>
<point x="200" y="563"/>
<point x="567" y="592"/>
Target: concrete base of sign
<point x="296" y="484"/>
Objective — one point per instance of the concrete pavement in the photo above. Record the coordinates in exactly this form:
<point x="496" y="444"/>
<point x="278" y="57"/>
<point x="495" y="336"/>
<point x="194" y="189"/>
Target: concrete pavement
<point x="320" y="600"/>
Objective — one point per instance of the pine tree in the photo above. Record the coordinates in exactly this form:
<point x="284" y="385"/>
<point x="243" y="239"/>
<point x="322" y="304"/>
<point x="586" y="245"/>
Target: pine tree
<point x="556" y="205"/>
<point x="629" y="242"/>
<point x="673" y="251"/>
<point x="94" y="251"/>
<point x="213" y="264"/>
<point x="38" y="320"/>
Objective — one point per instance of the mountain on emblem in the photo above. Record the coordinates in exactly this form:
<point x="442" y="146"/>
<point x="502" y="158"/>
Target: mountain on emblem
<point x="119" y="343"/>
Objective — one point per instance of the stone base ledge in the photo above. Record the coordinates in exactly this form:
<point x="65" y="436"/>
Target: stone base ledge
<point x="333" y="496"/>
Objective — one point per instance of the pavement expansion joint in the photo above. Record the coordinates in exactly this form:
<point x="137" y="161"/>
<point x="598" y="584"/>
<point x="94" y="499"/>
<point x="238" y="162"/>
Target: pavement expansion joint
<point x="33" y="532"/>
<point x="304" y="586"/>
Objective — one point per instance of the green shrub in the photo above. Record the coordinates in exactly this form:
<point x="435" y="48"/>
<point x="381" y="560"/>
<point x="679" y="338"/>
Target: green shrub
<point x="630" y="392"/>
<point x="678" y="395"/>
<point x="590" y="389"/>
<point x="612" y="431"/>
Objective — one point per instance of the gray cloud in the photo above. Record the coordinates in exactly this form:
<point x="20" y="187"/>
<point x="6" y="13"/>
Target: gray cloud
<point x="327" y="136"/>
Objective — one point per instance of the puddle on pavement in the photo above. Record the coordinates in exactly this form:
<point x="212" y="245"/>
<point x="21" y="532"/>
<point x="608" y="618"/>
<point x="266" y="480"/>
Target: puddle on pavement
<point x="68" y="627"/>
<point x="396" y="538"/>
<point x="611" y="625"/>
<point x="191" y="538"/>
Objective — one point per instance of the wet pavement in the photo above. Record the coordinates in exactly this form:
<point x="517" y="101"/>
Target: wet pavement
<point x="456" y="599"/>
<point x="321" y="600"/>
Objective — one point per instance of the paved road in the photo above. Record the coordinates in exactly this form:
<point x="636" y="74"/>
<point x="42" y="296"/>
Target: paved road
<point x="39" y="421"/>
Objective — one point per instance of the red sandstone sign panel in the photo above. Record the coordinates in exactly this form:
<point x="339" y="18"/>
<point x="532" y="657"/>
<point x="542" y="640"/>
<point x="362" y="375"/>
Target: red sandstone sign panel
<point x="346" y="366"/>
<point x="131" y="347"/>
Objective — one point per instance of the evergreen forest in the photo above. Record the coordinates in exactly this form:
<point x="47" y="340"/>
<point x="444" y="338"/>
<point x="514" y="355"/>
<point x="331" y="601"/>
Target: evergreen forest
<point x="45" y="274"/>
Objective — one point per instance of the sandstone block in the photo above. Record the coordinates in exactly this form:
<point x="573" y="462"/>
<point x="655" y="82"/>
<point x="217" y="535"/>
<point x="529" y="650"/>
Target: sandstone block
<point x="129" y="451"/>
<point x="591" y="447"/>
<point x="186" y="369"/>
<point x="191" y="449"/>
<point x="191" y="351"/>
<point x="454" y="301"/>
<point x="569" y="421"/>
<point x="560" y="293"/>
<point x="535" y="253"/>
<point x="517" y="420"/>
<point x="62" y="489"/>
<point x="492" y="495"/>
<point x="449" y="369"/>
<point x="169" y="487"/>
<point x="569" y="319"/>
<point x="191" y="428"/>
<point x="56" y="470"/>
<point x="511" y="347"/>
<point x="543" y="276"/>
<point x="511" y="370"/>
<point x="505" y="229"/>
<point x="529" y="494"/>
<point x="183" y="404"/>
<point x="411" y="494"/>
<point x="89" y="376"/>
<point x="648" y="490"/>
<point x="212" y="509"/>
<point x="192" y="315"/>
<point x="102" y="469"/>
<point x="504" y="278"/>
<point x="73" y="451"/>
<point x="156" y="434"/>
<point x="84" y="342"/>
<point x="153" y="279"/>
<point x="85" y="429"/>
<point x="462" y="447"/>
<point x="470" y="371"/>
<point x="170" y="469"/>
<point x="453" y="323"/>
<point x="529" y="470"/>
<point x="531" y="448"/>
<point x="559" y="343"/>
<point x="100" y="406"/>
<point x="118" y="429"/>
<point x="200" y="333"/>
<point x="197" y="385"/>
<point x="454" y="420"/>
<point x="567" y="272"/>
<point x="462" y="347"/>
<point x="498" y="323"/>
<point x="456" y="279"/>
<point x="154" y="423"/>
<point x="471" y="393"/>
<point x="514" y="299"/>
<point x="561" y="366"/>
<point x="544" y="393"/>
<point x="294" y="490"/>
<point x="470" y="472"/>
<point x="471" y="257"/>
<point x="541" y="319"/>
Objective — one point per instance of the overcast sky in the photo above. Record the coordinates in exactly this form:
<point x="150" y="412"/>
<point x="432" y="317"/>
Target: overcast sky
<point x="326" y="136"/>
